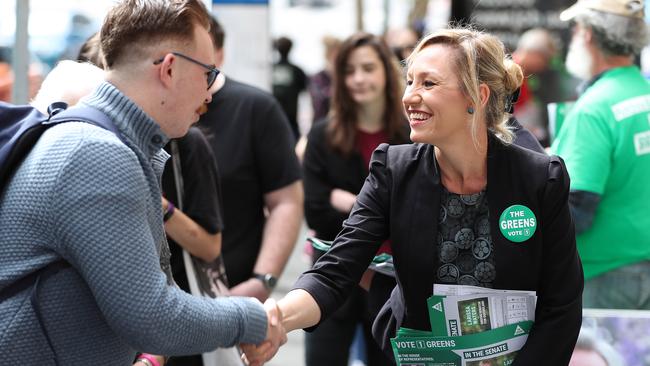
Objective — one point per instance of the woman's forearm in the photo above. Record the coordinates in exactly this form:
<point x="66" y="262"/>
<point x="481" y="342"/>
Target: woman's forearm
<point x="299" y="310"/>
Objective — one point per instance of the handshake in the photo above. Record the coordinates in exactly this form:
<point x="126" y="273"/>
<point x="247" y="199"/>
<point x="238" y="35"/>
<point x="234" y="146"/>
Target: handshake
<point x="276" y="336"/>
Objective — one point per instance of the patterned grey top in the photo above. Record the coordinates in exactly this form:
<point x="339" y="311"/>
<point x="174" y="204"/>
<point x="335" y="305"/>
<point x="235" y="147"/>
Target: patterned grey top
<point x="464" y="241"/>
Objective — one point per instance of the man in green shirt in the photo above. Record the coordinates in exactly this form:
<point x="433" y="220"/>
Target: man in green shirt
<point x="605" y="142"/>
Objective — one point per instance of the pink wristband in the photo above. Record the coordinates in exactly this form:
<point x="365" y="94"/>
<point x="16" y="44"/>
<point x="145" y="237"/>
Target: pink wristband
<point x="150" y="358"/>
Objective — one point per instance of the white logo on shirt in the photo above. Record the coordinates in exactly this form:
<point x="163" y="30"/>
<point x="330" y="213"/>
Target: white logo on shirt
<point x="642" y="143"/>
<point x="630" y="107"/>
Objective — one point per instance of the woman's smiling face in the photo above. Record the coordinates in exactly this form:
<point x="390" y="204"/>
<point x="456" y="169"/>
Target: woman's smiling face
<point x="433" y="100"/>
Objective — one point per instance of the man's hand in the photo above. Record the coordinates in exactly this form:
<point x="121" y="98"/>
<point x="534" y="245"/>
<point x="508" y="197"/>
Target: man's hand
<point x="251" y="288"/>
<point x="276" y="336"/>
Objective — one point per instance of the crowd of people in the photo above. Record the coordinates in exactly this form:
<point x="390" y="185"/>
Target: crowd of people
<point x="161" y="240"/>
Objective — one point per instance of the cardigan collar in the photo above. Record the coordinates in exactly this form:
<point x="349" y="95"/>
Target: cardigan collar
<point x="132" y="122"/>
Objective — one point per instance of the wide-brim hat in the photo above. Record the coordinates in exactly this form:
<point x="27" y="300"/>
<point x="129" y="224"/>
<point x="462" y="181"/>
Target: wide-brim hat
<point x="626" y="8"/>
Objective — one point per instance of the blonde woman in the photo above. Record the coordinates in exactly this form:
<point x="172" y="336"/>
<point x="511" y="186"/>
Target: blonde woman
<point x="442" y="201"/>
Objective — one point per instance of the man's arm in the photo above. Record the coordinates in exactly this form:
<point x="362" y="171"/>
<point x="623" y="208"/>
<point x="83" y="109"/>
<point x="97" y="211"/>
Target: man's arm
<point x="197" y="227"/>
<point x="192" y="236"/>
<point x="583" y="207"/>
<point x="285" y="207"/>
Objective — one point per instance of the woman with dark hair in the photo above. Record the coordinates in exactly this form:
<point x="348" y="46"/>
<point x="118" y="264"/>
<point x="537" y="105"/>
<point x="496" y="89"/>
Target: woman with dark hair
<point x="365" y="111"/>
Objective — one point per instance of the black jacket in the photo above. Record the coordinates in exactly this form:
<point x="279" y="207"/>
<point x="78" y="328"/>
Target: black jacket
<point x="400" y="200"/>
<point x="325" y="169"/>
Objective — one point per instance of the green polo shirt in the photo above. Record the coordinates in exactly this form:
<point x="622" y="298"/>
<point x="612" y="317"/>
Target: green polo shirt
<point x="605" y="142"/>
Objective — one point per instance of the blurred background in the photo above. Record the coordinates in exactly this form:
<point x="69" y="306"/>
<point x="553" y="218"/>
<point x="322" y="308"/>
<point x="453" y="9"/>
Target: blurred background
<point x="35" y="34"/>
<point x="54" y="30"/>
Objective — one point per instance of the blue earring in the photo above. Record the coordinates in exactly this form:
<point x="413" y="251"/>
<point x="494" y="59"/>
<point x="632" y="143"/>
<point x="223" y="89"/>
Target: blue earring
<point x="470" y="110"/>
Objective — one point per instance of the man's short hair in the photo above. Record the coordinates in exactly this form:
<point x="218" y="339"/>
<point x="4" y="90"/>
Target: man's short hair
<point x="91" y="51"/>
<point x="216" y="33"/>
<point x="537" y="40"/>
<point x="283" y="45"/>
<point x="614" y="34"/>
<point x="132" y="25"/>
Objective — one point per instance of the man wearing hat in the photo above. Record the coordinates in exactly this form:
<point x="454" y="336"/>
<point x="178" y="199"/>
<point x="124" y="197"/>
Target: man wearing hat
<point x="605" y="142"/>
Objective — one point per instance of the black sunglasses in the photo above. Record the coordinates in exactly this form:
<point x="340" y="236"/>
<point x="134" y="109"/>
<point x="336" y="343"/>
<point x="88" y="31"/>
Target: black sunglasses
<point x="211" y="75"/>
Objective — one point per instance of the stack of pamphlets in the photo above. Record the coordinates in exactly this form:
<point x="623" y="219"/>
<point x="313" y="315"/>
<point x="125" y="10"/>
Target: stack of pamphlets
<point x="470" y="326"/>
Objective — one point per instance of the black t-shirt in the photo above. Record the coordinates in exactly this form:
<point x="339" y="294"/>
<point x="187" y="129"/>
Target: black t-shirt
<point x="288" y="81"/>
<point x="250" y="137"/>
<point x="202" y="197"/>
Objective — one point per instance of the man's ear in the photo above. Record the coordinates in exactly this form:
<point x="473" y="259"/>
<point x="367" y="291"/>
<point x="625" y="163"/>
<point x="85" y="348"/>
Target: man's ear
<point x="166" y="70"/>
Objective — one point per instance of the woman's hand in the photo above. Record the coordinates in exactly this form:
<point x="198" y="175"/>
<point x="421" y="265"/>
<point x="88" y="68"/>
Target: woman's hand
<point x="276" y="336"/>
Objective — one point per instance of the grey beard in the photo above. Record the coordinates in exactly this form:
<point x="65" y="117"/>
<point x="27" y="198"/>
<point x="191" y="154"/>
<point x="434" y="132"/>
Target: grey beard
<point x="579" y="60"/>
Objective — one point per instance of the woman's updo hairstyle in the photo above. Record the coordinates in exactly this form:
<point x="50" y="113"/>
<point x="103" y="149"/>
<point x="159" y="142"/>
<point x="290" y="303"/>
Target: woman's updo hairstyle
<point x="480" y="59"/>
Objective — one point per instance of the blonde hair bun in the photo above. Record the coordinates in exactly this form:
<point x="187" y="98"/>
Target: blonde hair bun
<point x="513" y="76"/>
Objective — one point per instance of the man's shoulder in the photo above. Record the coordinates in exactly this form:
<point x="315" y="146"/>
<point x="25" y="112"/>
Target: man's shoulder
<point x="238" y="89"/>
<point x="194" y="148"/>
<point x="616" y="85"/>
<point x="193" y="136"/>
<point x="611" y="100"/>
<point x="81" y="143"/>
<point x="80" y="133"/>
<point x="76" y="155"/>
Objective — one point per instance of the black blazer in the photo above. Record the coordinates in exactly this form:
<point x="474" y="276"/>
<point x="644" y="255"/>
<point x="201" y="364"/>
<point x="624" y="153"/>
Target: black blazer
<point x="400" y="200"/>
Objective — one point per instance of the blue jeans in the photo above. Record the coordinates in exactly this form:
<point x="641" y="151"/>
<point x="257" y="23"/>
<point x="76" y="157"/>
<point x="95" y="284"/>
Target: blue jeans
<point x="626" y="287"/>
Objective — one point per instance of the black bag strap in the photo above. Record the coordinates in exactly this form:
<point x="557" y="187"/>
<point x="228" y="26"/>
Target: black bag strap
<point x="83" y="114"/>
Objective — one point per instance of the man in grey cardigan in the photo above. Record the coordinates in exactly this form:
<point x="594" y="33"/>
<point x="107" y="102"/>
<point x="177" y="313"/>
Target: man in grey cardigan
<point x="92" y="199"/>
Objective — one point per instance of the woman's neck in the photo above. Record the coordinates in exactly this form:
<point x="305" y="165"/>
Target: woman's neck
<point x="463" y="166"/>
<point x="370" y="117"/>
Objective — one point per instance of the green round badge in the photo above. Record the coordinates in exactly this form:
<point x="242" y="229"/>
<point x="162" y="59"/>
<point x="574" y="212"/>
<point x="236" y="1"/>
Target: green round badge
<point x="517" y="223"/>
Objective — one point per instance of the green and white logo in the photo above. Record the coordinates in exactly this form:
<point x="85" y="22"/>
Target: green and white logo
<point x="438" y="306"/>
<point x="519" y="331"/>
<point x="517" y="223"/>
